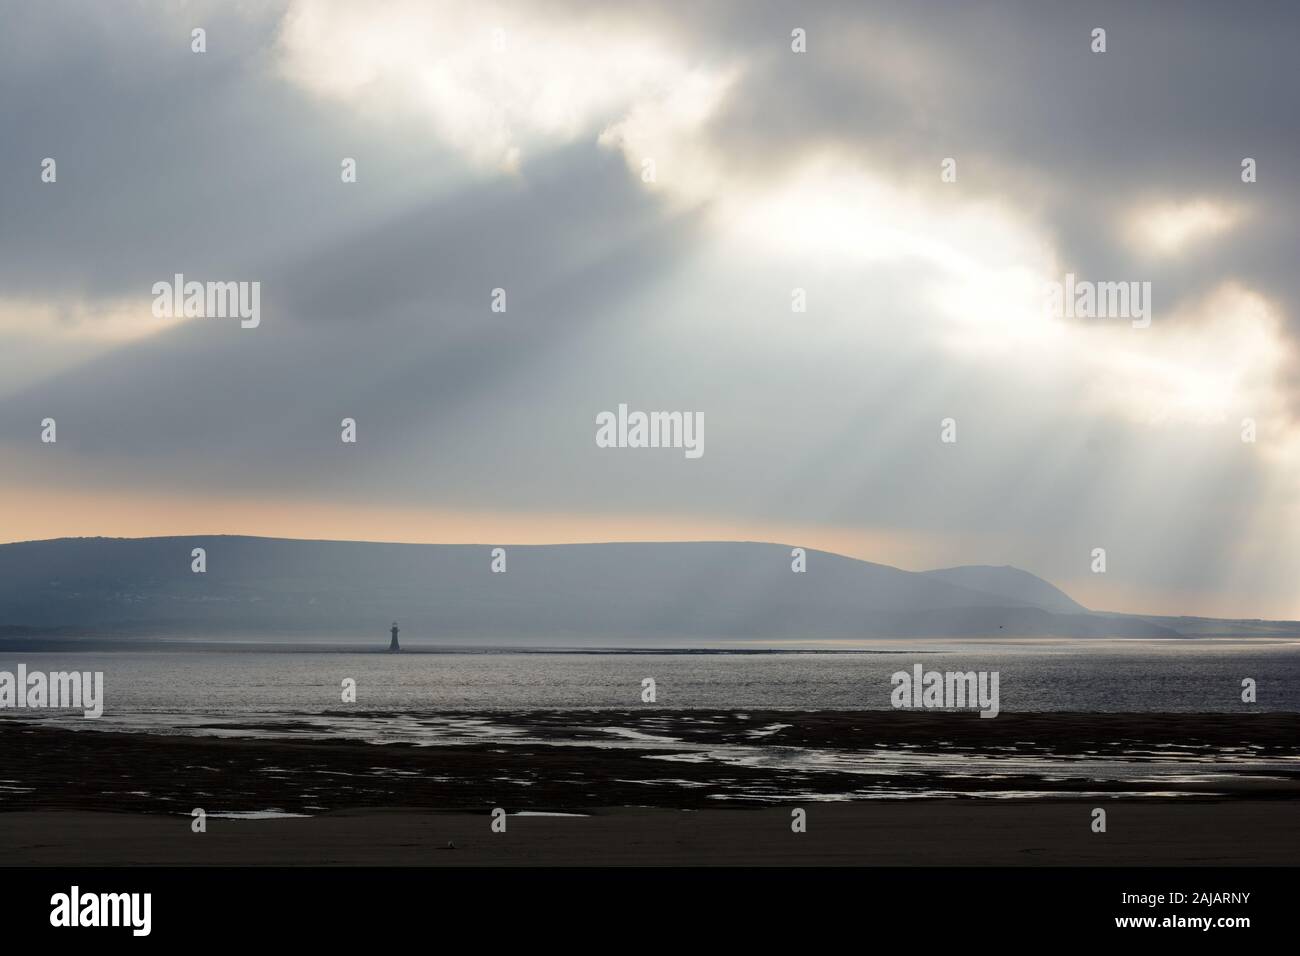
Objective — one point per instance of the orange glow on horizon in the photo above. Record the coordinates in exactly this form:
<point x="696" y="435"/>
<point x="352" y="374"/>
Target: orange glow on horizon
<point x="27" y="515"/>
<point x="37" y="515"/>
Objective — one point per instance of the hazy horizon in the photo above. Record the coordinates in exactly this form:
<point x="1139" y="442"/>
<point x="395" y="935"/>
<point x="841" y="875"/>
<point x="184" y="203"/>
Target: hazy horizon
<point x="646" y="594"/>
<point x="487" y="544"/>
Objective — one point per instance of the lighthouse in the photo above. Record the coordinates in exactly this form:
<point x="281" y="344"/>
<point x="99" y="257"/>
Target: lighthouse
<point x="394" y="647"/>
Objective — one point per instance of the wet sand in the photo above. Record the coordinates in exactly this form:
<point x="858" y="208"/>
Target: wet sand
<point x="97" y="797"/>
<point x="878" y="833"/>
<point x="575" y="760"/>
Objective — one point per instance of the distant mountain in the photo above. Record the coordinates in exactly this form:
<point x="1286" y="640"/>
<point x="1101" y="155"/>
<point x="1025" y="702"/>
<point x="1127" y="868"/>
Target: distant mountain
<point x="553" y="594"/>
<point x="1019" y="587"/>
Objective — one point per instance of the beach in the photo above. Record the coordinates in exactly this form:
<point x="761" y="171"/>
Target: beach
<point x="877" y="788"/>
<point x="883" y="833"/>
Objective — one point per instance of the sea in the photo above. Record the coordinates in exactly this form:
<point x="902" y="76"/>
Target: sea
<point x="156" y="688"/>
<point x="436" y="697"/>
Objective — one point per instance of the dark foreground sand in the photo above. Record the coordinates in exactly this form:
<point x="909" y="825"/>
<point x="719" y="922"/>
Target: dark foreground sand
<point x="91" y="797"/>
<point x="957" y="833"/>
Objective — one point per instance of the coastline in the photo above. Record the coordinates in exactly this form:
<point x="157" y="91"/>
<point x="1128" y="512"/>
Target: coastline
<point x="656" y="787"/>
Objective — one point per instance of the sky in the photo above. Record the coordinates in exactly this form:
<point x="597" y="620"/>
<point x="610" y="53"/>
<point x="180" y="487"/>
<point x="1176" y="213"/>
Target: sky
<point x="650" y="184"/>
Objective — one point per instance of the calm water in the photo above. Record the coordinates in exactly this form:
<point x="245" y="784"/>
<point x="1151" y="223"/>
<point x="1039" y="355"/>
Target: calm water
<point x="265" y="692"/>
<point x="149" y="687"/>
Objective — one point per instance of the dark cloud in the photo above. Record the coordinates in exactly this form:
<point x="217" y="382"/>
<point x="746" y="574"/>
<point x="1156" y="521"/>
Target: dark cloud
<point x="1014" y="92"/>
<point x="375" y="296"/>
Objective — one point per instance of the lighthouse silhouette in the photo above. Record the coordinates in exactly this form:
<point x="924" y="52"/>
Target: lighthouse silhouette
<point x="394" y="647"/>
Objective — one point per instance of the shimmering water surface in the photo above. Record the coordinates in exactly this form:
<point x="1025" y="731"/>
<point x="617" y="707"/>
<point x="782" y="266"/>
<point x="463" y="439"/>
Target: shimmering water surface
<point x="455" y="698"/>
<point x="1174" y="677"/>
